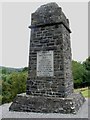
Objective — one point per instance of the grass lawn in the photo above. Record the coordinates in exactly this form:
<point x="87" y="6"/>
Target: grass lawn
<point x="84" y="91"/>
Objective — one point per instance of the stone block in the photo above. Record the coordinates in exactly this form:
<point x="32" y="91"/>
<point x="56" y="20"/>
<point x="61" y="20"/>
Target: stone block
<point x="42" y="104"/>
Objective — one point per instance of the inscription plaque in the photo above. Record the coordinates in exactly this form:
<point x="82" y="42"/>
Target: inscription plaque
<point x="45" y="63"/>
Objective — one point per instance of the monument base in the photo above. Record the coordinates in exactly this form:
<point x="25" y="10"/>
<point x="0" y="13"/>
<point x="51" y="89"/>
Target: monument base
<point x="43" y="104"/>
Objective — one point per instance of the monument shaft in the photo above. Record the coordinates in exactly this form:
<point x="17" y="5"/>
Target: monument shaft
<point x="50" y="37"/>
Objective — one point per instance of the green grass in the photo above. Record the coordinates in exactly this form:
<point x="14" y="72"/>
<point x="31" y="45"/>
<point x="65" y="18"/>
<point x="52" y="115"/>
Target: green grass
<point x="84" y="91"/>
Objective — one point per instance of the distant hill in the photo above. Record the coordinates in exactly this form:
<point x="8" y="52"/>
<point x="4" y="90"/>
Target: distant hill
<point x="8" y="70"/>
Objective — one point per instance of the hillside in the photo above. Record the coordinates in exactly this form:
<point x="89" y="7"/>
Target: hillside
<point x="8" y="70"/>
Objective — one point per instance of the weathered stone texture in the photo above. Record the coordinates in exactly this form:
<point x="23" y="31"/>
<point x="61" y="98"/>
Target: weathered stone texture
<point x="43" y="104"/>
<point x="50" y="32"/>
<point x="55" y="37"/>
<point x="49" y="14"/>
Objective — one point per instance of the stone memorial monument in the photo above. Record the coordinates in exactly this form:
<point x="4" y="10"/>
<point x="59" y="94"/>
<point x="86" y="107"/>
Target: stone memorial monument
<point x="50" y="81"/>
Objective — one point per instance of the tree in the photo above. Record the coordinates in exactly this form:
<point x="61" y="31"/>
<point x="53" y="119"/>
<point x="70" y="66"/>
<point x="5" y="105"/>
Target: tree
<point x="4" y="70"/>
<point x="14" y="84"/>
<point x="86" y="65"/>
<point x="78" y="73"/>
<point x="25" y="69"/>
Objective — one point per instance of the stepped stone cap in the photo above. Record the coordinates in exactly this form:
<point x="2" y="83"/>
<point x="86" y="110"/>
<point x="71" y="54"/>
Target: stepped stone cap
<point x="49" y="14"/>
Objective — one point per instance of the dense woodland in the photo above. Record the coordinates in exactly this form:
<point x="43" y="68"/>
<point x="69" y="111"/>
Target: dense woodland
<point x="13" y="81"/>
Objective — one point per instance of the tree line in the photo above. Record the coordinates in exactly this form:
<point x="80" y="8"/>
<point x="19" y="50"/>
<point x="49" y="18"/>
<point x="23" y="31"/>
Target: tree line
<point x="14" y="82"/>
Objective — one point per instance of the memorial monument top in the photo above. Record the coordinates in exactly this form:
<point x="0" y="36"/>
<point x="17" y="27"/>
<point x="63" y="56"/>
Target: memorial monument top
<point x="49" y="14"/>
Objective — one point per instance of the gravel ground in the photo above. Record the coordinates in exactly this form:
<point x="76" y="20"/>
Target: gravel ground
<point x="5" y="113"/>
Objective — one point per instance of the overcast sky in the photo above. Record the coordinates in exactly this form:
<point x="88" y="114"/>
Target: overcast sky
<point x="16" y="34"/>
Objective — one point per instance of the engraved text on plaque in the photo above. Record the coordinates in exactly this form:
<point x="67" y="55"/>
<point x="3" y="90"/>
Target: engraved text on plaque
<point x="45" y="63"/>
